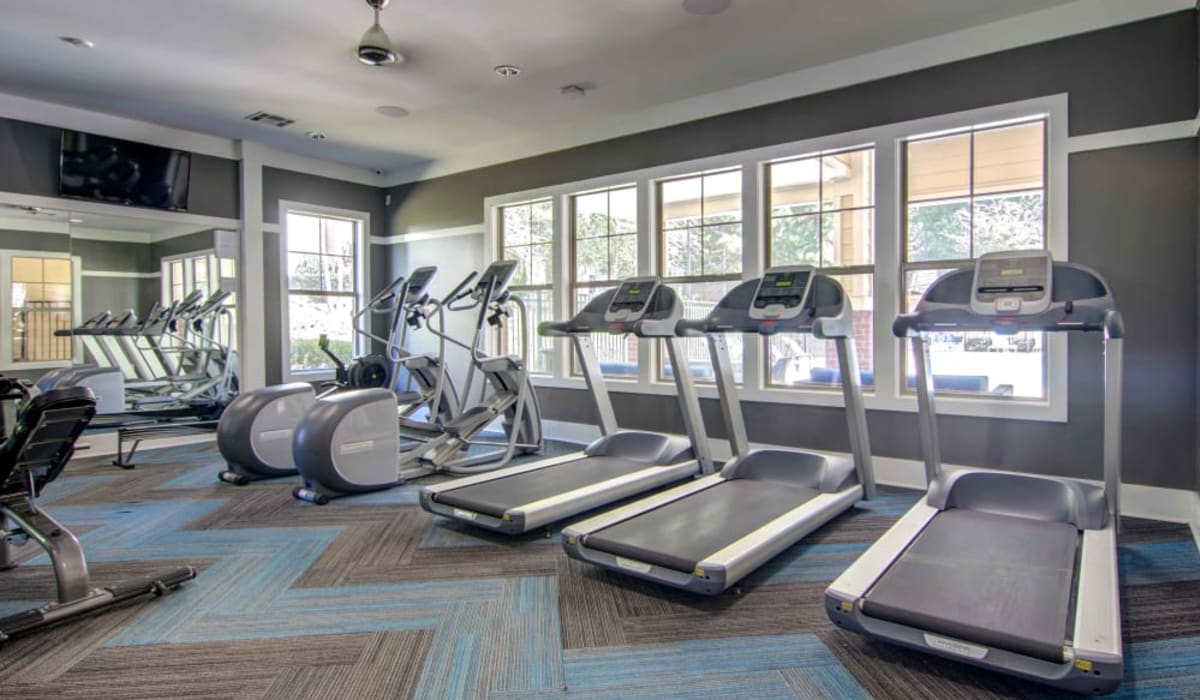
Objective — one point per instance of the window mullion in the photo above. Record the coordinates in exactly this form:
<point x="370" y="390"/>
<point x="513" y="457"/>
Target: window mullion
<point x="888" y="285"/>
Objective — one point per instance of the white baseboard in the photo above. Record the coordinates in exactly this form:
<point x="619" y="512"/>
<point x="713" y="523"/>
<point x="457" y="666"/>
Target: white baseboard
<point x="1151" y="502"/>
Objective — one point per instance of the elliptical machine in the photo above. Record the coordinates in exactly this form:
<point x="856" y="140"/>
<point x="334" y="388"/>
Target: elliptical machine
<point x="351" y="442"/>
<point x="255" y="432"/>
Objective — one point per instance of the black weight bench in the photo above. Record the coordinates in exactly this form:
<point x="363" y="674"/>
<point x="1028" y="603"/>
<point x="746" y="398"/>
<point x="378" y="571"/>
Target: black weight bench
<point x="41" y="444"/>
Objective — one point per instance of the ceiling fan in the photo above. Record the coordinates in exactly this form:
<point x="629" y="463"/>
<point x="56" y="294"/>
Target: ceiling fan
<point x="375" y="47"/>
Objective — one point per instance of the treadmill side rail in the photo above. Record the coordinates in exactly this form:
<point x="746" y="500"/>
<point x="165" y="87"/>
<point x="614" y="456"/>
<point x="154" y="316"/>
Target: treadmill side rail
<point x="741" y="557"/>
<point x="616" y="515"/>
<point x="1097" y="635"/>
<point x="855" y="581"/>
<point x="433" y="489"/>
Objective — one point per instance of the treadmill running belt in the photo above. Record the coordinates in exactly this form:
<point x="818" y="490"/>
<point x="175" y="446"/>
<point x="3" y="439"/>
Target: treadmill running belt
<point x="681" y="534"/>
<point x="496" y="496"/>
<point x="992" y="579"/>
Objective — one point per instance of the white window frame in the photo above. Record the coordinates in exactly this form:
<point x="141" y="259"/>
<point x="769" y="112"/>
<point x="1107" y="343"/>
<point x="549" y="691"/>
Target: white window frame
<point x="214" y="271"/>
<point x="888" y="141"/>
<point x="6" y="329"/>
<point x="362" y="265"/>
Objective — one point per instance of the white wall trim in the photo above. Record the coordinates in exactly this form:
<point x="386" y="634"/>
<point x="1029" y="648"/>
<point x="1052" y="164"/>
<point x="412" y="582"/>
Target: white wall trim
<point x="116" y="274"/>
<point x="1153" y="133"/>
<point x="98" y="234"/>
<point x="1139" y="501"/>
<point x="283" y="160"/>
<point x="84" y="207"/>
<point x="412" y="236"/>
<point x="272" y="228"/>
<point x="1032" y="28"/>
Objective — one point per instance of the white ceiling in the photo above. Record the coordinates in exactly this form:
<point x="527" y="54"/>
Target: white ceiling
<point x="203" y="65"/>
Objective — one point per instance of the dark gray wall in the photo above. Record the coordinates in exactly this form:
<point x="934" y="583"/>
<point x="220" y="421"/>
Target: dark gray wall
<point x="1133" y="215"/>
<point x="192" y="242"/>
<point x="1102" y="71"/>
<point x="34" y="240"/>
<point x="116" y="294"/>
<point x="30" y="154"/>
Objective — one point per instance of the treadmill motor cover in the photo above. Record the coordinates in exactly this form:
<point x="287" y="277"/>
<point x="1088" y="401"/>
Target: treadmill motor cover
<point x="994" y="580"/>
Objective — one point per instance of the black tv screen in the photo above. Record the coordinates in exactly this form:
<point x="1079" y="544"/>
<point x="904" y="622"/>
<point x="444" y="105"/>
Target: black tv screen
<point x="123" y="172"/>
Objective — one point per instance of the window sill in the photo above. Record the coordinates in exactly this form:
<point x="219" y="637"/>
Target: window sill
<point x="947" y="405"/>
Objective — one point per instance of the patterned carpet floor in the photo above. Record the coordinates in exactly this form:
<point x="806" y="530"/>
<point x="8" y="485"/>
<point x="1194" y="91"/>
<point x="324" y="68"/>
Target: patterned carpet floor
<point x="371" y="597"/>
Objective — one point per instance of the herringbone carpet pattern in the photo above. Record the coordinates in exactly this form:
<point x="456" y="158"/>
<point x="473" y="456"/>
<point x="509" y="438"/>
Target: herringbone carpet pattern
<point x="370" y="597"/>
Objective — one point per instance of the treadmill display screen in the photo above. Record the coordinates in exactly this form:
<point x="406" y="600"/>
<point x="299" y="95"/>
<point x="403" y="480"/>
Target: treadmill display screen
<point x="1011" y="276"/>
<point x="501" y="271"/>
<point x="786" y="288"/>
<point x="632" y="296"/>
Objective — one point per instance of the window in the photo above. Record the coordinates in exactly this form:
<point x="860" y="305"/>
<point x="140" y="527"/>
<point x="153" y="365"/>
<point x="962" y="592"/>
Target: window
<point x="821" y="212"/>
<point x="323" y="282"/>
<point x="967" y="193"/>
<point x="526" y="235"/>
<point x="604" y="245"/>
<point x="884" y="210"/>
<point x="700" y="254"/>
<point x="41" y="299"/>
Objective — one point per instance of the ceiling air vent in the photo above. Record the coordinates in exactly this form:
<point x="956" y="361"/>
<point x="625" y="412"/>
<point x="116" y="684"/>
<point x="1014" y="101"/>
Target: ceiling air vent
<point x="270" y="119"/>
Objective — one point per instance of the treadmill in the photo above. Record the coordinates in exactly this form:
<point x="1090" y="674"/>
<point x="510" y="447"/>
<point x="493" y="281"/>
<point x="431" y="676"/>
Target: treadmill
<point x="706" y="535"/>
<point x="1008" y="571"/>
<point x="621" y="463"/>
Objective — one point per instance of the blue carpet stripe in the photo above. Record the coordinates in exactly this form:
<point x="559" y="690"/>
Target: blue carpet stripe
<point x="1158" y="562"/>
<point x="666" y="664"/>
<point x="807" y="563"/>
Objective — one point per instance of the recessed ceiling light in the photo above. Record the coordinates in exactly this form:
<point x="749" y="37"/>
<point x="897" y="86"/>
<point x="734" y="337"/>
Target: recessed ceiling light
<point x="572" y="91"/>
<point x="507" y="71"/>
<point x="706" y="7"/>
<point x="77" y="42"/>
<point x="315" y="135"/>
<point x="75" y="221"/>
<point x="392" y="111"/>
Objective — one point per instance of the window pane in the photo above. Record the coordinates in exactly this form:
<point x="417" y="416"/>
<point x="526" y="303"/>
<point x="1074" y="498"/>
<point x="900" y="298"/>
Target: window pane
<point x="338" y="274"/>
<point x="303" y="233"/>
<point x="308" y="317"/>
<point x="722" y="249"/>
<point x="228" y="268"/>
<point x="916" y="282"/>
<point x="939" y="231"/>
<point x="200" y="274"/>
<point x="795" y="359"/>
<point x="339" y="237"/>
<point x="1009" y="158"/>
<point x="539" y="306"/>
<point x="848" y="238"/>
<point x="698" y="300"/>
<point x="679" y="202"/>
<point x="795" y="186"/>
<point x="681" y="252"/>
<point x="1014" y="222"/>
<point x="622" y="210"/>
<point x="723" y="197"/>
<point x="623" y="254"/>
<point x="59" y="294"/>
<point x="848" y="179"/>
<point x="591" y="215"/>
<point x="939" y="168"/>
<point x="591" y="260"/>
<point x="58" y="270"/>
<point x="540" y="264"/>
<point x="26" y="269"/>
<point x="984" y="363"/>
<point x="794" y="240"/>
<point x="305" y="271"/>
<point x="516" y="225"/>
<point x="541" y="221"/>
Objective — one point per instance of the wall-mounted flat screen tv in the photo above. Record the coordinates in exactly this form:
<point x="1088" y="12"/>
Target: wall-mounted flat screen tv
<point x="123" y="172"/>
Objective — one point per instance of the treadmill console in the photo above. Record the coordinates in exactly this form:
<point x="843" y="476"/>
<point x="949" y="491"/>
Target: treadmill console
<point x="782" y="293"/>
<point x="1012" y="283"/>
<point x="502" y="272"/>
<point x="418" y="281"/>
<point x="631" y="300"/>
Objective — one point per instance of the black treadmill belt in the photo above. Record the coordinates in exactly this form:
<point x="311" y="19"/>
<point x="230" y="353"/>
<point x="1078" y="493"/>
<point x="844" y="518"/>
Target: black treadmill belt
<point x="681" y="534"/>
<point x="496" y="496"/>
<point x="995" y="580"/>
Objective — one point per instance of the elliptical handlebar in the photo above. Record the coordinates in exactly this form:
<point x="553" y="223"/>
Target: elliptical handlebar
<point x="461" y="291"/>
